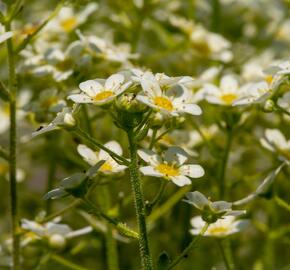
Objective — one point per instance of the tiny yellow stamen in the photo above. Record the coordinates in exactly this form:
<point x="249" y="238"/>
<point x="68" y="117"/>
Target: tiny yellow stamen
<point x="164" y="103"/>
<point x="106" y="167"/>
<point x="167" y="170"/>
<point x="269" y="79"/>
<point x="69" y="24"/>
<point x="217" y="230"/>
<point x="228" y="98"/>
<point x="103" y="95"/>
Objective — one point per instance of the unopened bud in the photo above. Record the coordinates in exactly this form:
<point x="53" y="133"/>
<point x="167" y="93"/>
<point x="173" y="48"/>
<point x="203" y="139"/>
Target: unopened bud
<point x="57" y="241"/>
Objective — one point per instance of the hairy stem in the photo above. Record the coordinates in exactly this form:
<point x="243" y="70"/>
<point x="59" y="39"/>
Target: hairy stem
<point x="12" y="151"/>
<point x="139" y="203"/>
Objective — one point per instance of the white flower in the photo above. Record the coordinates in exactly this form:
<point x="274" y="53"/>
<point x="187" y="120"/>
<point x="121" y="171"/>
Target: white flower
<point x="222" y="227"/>
<point x="226" y="94"/>
<point x="52" y="62"/>
<point x="106" y="49"/>
<point x="254" y="93"/>
<point x="100" y="92"/>
<point x="284" y="102"/>
<point x="214" y="210"/>
<point x="165" y="82"/>
<point x="63" y="119"/>
<point x="22" y="99"/>
<point x="171" y="166"/>
<point x="276" y="142"/>
<point x="174" y="101"/>
<point x="110" y="166"/>
<point x="4" y="35"/>
<point x="54" y="232"/>
<point x="68" y="20"/>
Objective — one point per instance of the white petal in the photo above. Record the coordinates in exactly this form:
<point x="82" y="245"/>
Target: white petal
<point x="229" y="84"/>
<point x="114" y="82"/>
<point x="80" y="98"/>
<point x="88" y="154"/>
<point x="91" y="87"/>
<point x="197" y="199"/>
<point x="149" y="170"/>
<point x="193" y="109"/>
<point x="194" y="171"/>
<point x="175" y="155"/>
<point x="180" y="180"/>
<point x="149" y="156"/>
<point x="113" y="146"/>
<point x="5" y="36"/>
<point x="150" y="86"/>
<point x="220" y="206"/>
<point x="197" y="222"/>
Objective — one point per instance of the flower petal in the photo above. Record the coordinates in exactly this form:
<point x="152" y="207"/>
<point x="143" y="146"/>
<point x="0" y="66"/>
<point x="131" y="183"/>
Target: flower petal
<point x="80" y="98"/>
<point x="88" y="154"/>
<point x="149" y="156"/>
<point x="175" y="155"/>
<point x="114" y="82"/>
<point x="150" y="171"/>
<point x="91" y="87"/>
<point x="180" y="180"/>
<point x="192" y="170"/>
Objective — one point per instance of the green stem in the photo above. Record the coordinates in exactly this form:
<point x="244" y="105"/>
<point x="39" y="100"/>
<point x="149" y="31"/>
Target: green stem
<point x="74" y="204"/>
<point x="80" y="133"/>
<point x="157" y="197"/>
<point x="139" y="203"/>
<point x="12" y="151"/>
<point x="66" y="263"/>
<point x="153" y="138"/>
<point x="223" y="166"/>
<point x="185" y="252"/>
<point x="226" y="254"/>
<point x="111" y="244"/>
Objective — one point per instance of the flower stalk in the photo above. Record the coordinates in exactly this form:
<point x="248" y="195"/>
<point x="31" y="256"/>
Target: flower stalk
<point x="139" y="203"/>
<point x="12" y="150"/>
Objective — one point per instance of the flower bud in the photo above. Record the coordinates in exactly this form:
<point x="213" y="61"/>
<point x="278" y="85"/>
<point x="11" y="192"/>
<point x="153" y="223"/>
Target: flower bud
<point x="69" y="120"/>
<point x="57" y="241"/>
<point x="269" y="105"/>
<point x="128" y="102"/>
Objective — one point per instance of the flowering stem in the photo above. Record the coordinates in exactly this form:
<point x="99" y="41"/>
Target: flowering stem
<point x="226" y="254"/>
<point x="185" y="252"/>
<point x="12" y="150"/>
<point x="224" y="161"/>
<point x="139" y="203"/>
<point x="80" y="133"/>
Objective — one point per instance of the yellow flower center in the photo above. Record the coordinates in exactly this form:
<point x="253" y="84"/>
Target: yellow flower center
<point x="228" y="98"/>
<point x="103" y="95"/>
<point x="167" y="170"/>
<point x="217" y="230"/>
<point x="106" y="167"/>
<point x="69" y="23"/>
<point x="164" y="103"/>
<point x="269" y="79"/>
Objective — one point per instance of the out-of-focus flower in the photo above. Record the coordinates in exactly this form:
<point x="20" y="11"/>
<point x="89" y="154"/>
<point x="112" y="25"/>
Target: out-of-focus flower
<point x="4" y="35"/>
<point x="63" y="119"/>
<point x="68" y="20"/>
<point x="211" y="211"/>
<point x="206" y="43"/>
<point x="100" y="92"/>
<point x="276" y="142"/>
<point x="22" y="99"/>
<point x="55" y="233"/>
<point x="106" y="49"/>
<point x="284" y="101"/>
<point x="171" y="166"/>
<point x="110" y="166"/>
<point x="174" y="101"/>
<point x="221" y="228"/>
<point x="53" y="62"/>
<point x="4" y="171"/>
<point x="226" y="94"/>
<point x="165" y="82"/>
